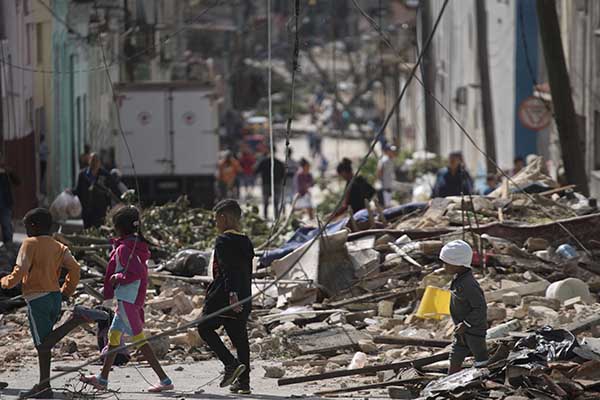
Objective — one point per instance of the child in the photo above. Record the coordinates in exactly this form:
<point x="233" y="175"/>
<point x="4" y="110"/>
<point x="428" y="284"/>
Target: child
<point x="232" y="274"/>
<point x="126" y="280"/>
<point x="468" y="308"/>
<point x="303" y="181"/>
<point x="38" y="267"/>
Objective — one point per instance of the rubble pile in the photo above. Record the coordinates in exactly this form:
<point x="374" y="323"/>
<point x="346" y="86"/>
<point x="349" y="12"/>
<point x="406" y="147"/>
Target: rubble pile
<point x="355" y="311"/>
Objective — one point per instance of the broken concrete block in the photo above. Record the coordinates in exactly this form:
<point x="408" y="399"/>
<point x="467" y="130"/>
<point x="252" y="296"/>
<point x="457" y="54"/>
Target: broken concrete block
<point x="511" y="299"/>
<point x="543" y="313"/>
<point x="189" y="339"/>
<point x="364" y="260"/>
<point x="570" y="303"/>
<point x="567" y="289"/>
<point x="395" y="354"/>
<point x="274" y="372"/>
<point x="391" y="323"/>
<point x="367" y="346"/>
<point x="399" y="392"/>
<point x="337" y="318"/>
<point x="161" y="347"/>
<point x="257" y="333"/>
<point x="503" y="330"/>
<point x="536" y="244"/>
<point x="540" y="301"/>
<point x="161" y="303"/>
<point x="384" y="376"/>
<point x="285" y="329"/>
<point x="385" y="308"/>
<point x="360" y="316"/>
<point x="183" y="304"/>
<point x="496" y="314"/>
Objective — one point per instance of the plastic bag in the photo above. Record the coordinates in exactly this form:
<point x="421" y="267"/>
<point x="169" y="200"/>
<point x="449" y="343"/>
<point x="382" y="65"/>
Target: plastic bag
<point x="65" y="206"/>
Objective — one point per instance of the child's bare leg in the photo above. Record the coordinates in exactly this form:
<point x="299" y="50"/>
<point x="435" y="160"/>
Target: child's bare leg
<point x="149" y="356"/>
<point x="109" y="360"/>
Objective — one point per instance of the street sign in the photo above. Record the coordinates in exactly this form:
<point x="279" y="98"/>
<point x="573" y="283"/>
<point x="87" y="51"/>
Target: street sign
<point x="534" y="113"/>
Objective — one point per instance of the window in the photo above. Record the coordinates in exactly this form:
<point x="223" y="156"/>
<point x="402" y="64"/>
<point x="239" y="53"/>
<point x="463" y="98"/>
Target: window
<point x="39" y="39"/>
<point x="26" y="7"/>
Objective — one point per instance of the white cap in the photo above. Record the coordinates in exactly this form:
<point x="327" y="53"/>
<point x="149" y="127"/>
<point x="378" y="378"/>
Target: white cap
<point x="457" y="252"/>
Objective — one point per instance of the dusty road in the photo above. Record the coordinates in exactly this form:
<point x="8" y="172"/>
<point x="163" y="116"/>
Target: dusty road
<point x="190" y="381"/>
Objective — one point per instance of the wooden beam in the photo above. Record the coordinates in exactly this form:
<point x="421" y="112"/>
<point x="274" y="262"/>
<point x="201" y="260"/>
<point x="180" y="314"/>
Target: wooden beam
<point x="417" y="363"/>
<point x="411" y="341"/>
<point x="376" y="385"/>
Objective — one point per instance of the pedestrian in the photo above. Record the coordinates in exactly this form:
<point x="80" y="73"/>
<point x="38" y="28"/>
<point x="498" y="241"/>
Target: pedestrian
<point x="291" y="169"/>
<point x="358" y="191"/>
<point x="323" y="165"/>
<point x="386" y="172"/>
<point x="126" y="281"/>
<point x="518" y="165"/>
<point x="468" y="307"/>
<point x="43" y="154"/>
<point x="96" y="190"/>
<point x="232" y="280"/>
<point x="229" y="168"/>
<point x="303" y="181"/>
<point x="491" y="184"/>
<point x="38" y="268"/>
<point x="85" y="157"/>
<point x="263" y="168"/>
<point x="247" y="162"/>
<point x="8" y="179"/>
<point x="454" y="180"/>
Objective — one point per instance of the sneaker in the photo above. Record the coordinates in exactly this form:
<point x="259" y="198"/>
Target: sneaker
<point x="240" y="388"/>
<point x="89" y="314"/>
<point x="162" y="386"/>
<point x="37" y="393"/>
<point x="232" y="373"/>
<point x="3" y="385"/>
<point x="95" y="381"/>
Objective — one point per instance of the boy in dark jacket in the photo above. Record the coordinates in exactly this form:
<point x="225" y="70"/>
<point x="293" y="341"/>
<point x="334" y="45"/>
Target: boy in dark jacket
<point x="468" y="307"/>
<point x="232" y="274"/>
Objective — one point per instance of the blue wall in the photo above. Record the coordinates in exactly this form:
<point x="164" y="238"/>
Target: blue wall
<point x="525" y="139"/>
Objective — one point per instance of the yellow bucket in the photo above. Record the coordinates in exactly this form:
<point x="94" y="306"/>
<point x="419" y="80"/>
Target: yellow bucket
<point x="435" y="303"/>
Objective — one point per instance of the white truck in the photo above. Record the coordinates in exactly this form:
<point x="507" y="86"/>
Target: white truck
<point x="172" y="131"/>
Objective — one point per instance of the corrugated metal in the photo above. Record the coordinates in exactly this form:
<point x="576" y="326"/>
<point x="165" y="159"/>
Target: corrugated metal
<point x="20" y="157"/>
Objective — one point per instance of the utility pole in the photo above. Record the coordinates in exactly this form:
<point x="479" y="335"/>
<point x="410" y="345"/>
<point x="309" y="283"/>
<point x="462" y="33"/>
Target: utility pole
<point x="486" y="89"/>
<point x="564" y="110"/>
<point x="432" y="133"/>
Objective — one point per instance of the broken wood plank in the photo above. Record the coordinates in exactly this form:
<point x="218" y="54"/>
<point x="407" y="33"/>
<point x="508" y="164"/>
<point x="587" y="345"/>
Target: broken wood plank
<point x="371" y="296"/>
<point x="417" y="363"/>
<point x="399" y="382"/>
<point x="523" y="290"/>
<point x="411" y="341"/>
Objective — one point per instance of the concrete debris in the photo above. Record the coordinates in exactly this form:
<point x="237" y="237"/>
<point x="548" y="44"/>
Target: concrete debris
<point x="274" y="372"/>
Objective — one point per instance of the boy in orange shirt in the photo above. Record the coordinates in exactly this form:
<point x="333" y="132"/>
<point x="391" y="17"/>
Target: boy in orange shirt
<point x="38" y="268"/>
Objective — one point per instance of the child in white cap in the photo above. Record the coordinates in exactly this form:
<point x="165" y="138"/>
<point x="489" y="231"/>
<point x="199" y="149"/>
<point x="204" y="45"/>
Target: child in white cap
<point x="468" y="307"/>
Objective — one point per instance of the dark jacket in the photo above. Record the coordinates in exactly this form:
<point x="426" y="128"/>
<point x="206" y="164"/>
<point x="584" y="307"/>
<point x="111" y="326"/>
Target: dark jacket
<point x="360" y="191"/>
<point x="7" y="179"/>
<point x="232" y="272"/>
<point x="95" y="195"/>
<point x="468" y="305"/>
<point x="264" y="169"/>
<point x="448" y="184"/>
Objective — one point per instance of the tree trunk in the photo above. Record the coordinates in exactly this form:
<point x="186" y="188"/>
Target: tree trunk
<point x="486" y="89"/>
<point x="566" y="121"/>
<point x="432" y="134"/>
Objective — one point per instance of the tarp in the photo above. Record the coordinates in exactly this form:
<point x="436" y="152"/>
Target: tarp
<point x="305" y="234"/>
<point x="301" y="236"/>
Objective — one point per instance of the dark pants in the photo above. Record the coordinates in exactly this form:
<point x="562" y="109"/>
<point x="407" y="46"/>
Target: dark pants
<point x="466" y="345"/>
<point x="6" y="224"/>
<point x="237" y="331"/>
<point x="266" y="195"/>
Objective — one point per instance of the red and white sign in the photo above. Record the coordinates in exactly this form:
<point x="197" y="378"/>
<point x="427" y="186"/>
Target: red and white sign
<point x="535" y="113"/>
<point x="189" y="118"/>
<point x="144" y="118"/>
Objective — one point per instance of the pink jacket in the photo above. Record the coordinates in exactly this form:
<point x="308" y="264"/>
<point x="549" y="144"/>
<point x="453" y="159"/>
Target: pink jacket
<point x="128" y="262"/>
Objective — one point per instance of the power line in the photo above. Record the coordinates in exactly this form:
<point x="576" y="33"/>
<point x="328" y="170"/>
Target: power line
<point x="230" y="307"/>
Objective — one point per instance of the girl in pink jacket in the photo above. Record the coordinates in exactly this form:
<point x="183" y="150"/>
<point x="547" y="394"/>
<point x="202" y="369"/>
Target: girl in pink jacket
<point x="126" y="281"/>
